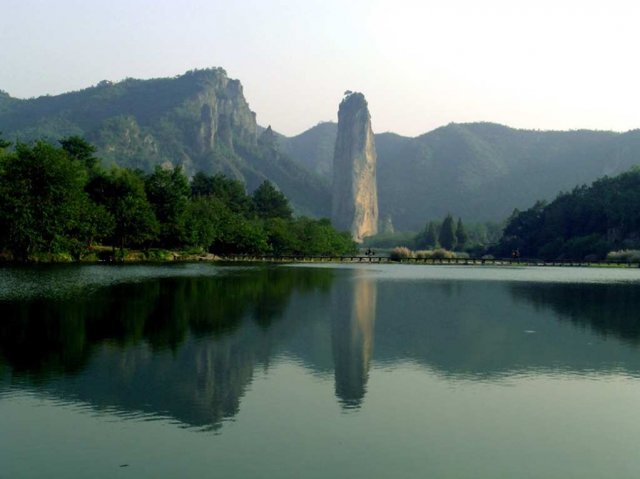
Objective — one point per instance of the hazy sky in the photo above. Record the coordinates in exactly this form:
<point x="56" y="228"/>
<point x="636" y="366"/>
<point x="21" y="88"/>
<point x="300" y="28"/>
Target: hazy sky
<point x="421" y="64"/>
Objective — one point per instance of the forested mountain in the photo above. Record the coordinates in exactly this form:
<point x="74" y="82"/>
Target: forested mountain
<point x="199" y="120"/>
<point x="479" y="171"/>
<point x="588" y="222"/>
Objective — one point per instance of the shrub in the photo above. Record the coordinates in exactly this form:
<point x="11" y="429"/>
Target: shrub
<point x="424" y="254"/>
<point x="43" y="257"/>
<point x="442" y="253"/>
<point x="399" y="253"/>
<point x="624" y="256"/>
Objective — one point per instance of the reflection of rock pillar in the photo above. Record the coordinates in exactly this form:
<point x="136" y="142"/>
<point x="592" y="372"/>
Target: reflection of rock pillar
<point x="354" y="312"/>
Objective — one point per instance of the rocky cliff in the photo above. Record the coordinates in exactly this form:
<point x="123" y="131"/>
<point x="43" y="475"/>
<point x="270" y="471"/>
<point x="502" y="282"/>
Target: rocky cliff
<point x="355" y="197"/>
<point x="200" y="120"/>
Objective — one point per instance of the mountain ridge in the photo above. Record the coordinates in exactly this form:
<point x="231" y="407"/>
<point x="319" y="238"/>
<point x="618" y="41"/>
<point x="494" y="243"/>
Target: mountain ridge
<point x="480" y="171"/>
<point x="201" y="120"/>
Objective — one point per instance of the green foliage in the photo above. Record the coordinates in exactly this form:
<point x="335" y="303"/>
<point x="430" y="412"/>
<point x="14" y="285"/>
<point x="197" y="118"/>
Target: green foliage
<point x="306" y="236"/>
<point x="428" y="238"/>
<point x="43" y="201"/>
<point x="240" y="236"/>
<point x="168" y="194"/>
<point x="202" y="221"/>
<point x="270" y="203"/>
<point x="229" y="191"/>
<point x="3" y="144"/>
<point x="122" y="192"/>
<point x="55" y="203"/>
<point x="140" y="124"/>
<point x="447" y="237"/>
<point x="318" y="237"/>
<point x="461" y="235"/>
<point x="78" y="148"/>
<point x="624" y="256"/>
<point x="390" y="240"/>
<point x="589" y="221"/>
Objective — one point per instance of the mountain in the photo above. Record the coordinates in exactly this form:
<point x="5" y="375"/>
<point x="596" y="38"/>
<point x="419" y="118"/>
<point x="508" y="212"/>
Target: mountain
<point x="199" y="120"/>
<point x="480" y="171"/>
<point x="314" y="148"/>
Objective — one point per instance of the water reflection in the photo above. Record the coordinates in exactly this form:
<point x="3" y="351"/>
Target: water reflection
<point x="188" y="347"/>
<point x="184" y="347"/>
<point x="353" y="316"/>
<point x="607" y="309"/>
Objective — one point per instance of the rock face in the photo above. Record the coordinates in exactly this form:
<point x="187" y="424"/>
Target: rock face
<point x="199" y="120"/>
<point x="355" y="195"/>
<point x="225" y="117"/>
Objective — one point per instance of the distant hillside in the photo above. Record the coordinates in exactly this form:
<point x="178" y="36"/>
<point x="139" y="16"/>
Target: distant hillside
<point x="480" y="171"/>
<point x="588" y="222"/>
<point x="200" y="120"/>
<point x="314" y="148"/>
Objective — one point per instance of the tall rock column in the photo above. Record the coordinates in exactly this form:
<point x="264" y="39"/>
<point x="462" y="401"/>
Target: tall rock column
<point x="355" y="195"/>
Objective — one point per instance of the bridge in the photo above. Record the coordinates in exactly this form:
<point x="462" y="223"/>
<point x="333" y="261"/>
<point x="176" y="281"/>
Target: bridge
<point x="372" y="259"/>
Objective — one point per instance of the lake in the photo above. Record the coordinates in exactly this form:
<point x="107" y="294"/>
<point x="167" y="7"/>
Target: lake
<point x="327" y="371"/>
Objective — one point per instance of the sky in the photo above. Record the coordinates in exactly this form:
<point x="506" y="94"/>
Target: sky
<point x="549" y="65"/>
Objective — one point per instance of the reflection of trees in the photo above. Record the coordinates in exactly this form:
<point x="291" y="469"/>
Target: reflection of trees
<point x="188" y="347"/>
<point x="481" y="330"/>
<point x="353" y="318"/>
<point x="170" y="345"/>
<point x="608" y="309"/>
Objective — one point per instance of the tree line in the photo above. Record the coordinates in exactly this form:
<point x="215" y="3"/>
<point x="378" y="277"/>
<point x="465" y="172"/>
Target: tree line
<point x="60" y="200"/>
<point x="585" y="223"/>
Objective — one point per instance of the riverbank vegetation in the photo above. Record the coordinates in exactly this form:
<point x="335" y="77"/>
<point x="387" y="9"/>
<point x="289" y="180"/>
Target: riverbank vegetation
<point x="586" y="223"/>
<point x="58" y="202"/>
<point x="401" y="252"/>
<point x="449" y="234"/>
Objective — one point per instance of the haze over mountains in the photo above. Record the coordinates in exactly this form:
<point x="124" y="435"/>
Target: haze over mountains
<point x="479" y="171"/>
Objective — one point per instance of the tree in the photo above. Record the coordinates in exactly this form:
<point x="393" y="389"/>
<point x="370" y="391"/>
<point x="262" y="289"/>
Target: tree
<point x="447" y="234"/>
<point x="122" y="193"/>
<point x="42" y="200"/>
<point x="83" y="151"/>
<point x="168" y="193"/>
<point x="428" y="237"/>
<point x="239" y="235"/>
<point x="3" y="144"/>
<point x="461" y="235"/>
<point x="231" y="192"/>
<point x="431" y="236"/>
<point x="203" y="224"/>
<point x="271" y="203"/>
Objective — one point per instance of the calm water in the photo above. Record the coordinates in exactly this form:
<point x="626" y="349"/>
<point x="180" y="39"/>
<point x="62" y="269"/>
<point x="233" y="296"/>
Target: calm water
<point x="319" y="372"/>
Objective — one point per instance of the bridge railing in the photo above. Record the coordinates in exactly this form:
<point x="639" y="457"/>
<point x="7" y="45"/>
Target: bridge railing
<point x="428" y="261"/>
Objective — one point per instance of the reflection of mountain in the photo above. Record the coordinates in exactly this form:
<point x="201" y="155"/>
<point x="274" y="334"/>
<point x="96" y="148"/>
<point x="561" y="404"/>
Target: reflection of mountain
<point x="353" y="315"/>
<point x="472" y="329"/>
<point x="188" y="347"/>
<point x="608" y="309"/>
<point x="142" y="347"/>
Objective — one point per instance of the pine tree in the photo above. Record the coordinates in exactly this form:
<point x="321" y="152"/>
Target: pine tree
<point x="461" y="235"/>
<point x="448" y="234"/>
<point x="431" y="236"/>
